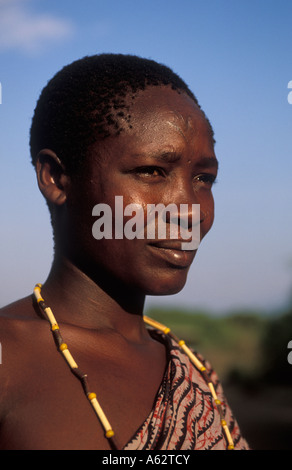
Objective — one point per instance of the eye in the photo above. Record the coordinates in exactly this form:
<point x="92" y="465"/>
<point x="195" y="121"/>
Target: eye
<point x="149" y="172"/>
<point x="205" y="180"/>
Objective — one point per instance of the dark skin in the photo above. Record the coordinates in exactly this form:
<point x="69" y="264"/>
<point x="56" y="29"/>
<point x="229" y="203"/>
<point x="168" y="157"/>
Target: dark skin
<point x="97" y="289"/>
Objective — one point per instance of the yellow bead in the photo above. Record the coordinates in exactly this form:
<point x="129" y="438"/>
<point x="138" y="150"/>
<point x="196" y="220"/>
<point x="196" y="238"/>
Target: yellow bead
<point x="223" y="422"/>
<point x="40" y="299"/>
<point x="218" y="402"/>
<point x="166" y="331"/>
<point x="55" y="327"/>
<point x="203" y="369"/>
<point x="63" y="347"/>
<point x="230" y="447"/>
<point x="110" y="433"/>
<point x="181" y="342"/>
<point x="91" y="396"/>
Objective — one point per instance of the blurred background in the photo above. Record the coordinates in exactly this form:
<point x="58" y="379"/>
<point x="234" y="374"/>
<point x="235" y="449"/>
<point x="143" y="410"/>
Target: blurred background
<point x="236" y="308"/>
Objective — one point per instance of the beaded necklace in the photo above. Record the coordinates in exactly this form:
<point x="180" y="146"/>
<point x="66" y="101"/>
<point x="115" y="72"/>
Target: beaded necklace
<point x="63" y="348"/>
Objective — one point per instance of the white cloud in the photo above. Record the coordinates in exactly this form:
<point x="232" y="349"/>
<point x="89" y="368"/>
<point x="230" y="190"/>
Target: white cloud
<point x="29" y="32"/>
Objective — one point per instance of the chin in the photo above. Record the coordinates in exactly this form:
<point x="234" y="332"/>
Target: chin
<point x="167" y="286"/>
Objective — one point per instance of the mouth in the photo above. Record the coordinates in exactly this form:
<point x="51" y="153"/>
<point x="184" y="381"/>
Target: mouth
<point x="172" y="252"/>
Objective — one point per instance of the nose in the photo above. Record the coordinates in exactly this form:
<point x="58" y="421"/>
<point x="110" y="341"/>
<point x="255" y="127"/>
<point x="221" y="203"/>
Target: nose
<point x="184" y="203"/>
<point x="183" y="220"/>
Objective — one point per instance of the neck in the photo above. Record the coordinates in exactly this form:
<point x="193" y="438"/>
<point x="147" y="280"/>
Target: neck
<point x="77" y="299"/>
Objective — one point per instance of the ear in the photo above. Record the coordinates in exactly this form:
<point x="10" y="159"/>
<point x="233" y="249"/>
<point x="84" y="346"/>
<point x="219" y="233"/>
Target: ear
<point x="52" y="180"/>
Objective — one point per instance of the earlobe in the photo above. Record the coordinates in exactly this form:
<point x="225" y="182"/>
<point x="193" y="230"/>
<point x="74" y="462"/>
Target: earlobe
<point x="51" y="177"/>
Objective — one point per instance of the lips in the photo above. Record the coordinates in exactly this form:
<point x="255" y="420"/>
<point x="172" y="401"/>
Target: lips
<point x="168" y="244"/>
<point x="171" y="251"/>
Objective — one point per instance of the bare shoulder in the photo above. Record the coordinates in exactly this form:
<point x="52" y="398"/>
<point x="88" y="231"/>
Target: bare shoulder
<point x="19" y="326"/>
<point x="22" y="308"/>
<point x="15" y="320"/>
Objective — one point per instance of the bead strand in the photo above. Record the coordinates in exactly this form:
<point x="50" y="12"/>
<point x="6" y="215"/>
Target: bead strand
<point x="202" y="369"/>
<point x="63" y="348"/>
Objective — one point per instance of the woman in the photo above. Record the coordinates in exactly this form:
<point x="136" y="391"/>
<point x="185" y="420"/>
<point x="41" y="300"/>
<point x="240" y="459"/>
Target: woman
<point x="112" y="129"/>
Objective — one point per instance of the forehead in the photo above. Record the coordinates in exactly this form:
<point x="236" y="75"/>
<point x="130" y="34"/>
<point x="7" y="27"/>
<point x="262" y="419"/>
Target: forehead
<point x="165" y="120"/>
<point x="159" y="120"/>
<point x="164" y="106"/>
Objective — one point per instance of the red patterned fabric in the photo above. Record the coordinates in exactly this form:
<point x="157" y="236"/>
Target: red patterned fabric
<point x="184" y="416"/>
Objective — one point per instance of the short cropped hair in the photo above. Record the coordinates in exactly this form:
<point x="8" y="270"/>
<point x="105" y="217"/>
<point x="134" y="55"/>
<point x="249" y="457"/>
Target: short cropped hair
<point x="86" y="101"/>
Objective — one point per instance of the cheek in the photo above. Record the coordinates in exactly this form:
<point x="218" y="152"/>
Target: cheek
<point x="207" y="214"/>
<point x="129" y="218"/>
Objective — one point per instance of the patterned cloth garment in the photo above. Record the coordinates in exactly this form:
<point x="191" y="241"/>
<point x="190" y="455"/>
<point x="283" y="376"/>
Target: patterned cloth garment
<point x="184" y="416"/>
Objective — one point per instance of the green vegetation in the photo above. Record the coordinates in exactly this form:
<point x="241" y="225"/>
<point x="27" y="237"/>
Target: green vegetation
<point x="249" y="351"/>
<point x="240" y="346"/>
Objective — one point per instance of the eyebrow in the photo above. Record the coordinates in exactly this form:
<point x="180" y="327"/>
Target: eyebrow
<point x="208" y="162"/>
<point x="166" y="157"/>
<point x="173" y="157"/>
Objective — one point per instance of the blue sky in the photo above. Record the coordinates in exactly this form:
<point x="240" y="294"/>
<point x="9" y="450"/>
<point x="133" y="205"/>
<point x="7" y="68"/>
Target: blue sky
<point x="236" y="57"/>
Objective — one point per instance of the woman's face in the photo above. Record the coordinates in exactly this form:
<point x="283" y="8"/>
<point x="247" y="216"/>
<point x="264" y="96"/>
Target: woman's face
<point x="165" y="157"/>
